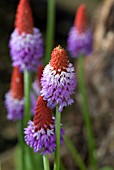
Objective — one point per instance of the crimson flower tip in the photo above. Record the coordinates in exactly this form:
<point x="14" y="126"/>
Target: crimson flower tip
<point x="81" y="19"/>
<point x="24" y="19"/>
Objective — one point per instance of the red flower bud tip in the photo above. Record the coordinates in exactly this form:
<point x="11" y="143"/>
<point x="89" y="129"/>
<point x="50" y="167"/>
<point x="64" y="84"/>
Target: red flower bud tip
<point x="24" y="19"/>
<point x="17" y="84"/>
<point x="42" y="118"/>
<point x="39" y="73"/>
<point x="81" y="19"/>
<point x="59" y="59"/>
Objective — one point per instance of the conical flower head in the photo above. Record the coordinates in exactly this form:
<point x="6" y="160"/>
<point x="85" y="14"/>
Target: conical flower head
<point x="40" y="133"/>
<point x="17" y="84"/>
<point x="42" y="118"/>
<point x="80" y="21"/>
<point x="58" y="80"/>
<point x="26" y="43"/>
<point x="80" y="39"/>
<point x="24" y="19"/>
<point x="14" y="100"/>
<point x="59" y="59"/>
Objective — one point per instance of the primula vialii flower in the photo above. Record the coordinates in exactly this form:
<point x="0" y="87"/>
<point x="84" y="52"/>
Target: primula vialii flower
<point x="36" y="87"/>
<point x="58" y="80"/>
<point x="80" y="40"/>
<point x="40" y="133"/>
<point x="26" y="43"/>
<point x="14" y="100"/>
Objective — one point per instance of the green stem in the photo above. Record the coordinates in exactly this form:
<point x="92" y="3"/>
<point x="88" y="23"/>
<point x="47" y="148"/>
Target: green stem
<point x="46" y="162"/>
<point x="86" y="114"/>
<point x="21" y="142"/>
<point x="75" y="154"/>
<point x="50" y="29"/>
<point x="57" y="152"/>
<point x="27" y="90"/>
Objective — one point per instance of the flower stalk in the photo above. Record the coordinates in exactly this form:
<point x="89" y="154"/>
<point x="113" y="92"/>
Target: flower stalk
<point x="57" y="152"/>
<point x="50" y="29"/>
<point x="21" y="143"/>
<point x="27" y="89"/>
<point x="46" y="162"/>
<point x="86" y="114"/>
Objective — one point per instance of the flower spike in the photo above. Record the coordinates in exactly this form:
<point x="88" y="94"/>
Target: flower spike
<point x="14" y="99"/>
<point x="40" y="133"/>
<point x="58" y="80"/>
<point x="26" y="43"/>
<point x="80" y="39"/>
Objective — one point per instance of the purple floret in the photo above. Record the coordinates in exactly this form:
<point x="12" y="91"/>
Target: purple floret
<point x="15" y="107"/>
<point x="26" y="49"/>
<point x="43" y="141"/>
<point x="58" y="88"/>
<point x="79" y="43"/>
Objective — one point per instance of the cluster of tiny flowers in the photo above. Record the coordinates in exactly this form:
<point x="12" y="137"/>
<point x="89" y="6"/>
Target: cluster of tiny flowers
<point x="79" y="43"/>
<point x="40" y="133"/>
<point x="14" y="100"/>
<point x="43" y="141"/>
<point x="80" y="39"/>
<point x="26" y="49"/>
<point x="15" y="107"/>
<point x="58" y="84"/>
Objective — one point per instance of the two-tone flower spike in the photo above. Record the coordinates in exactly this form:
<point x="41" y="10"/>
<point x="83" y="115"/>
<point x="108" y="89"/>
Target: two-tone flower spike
<point x="58" y="80"/>
<point x="26" y="43"/>
<point x="40" y="133"/>
<point x="14" y="100"/>
<point x="80" y="39"/>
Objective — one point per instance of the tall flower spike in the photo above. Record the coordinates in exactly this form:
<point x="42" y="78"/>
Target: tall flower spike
<point x="80" y="40"/>
<point x="36" y="87"/>
<point x="26" y="43"/>
<point x="40" y="133"/>
<point x="14" y="100"/>
<point x="58" y="80"/>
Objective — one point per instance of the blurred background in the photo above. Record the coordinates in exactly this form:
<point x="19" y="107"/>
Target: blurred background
<point x="99" y="71"/>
